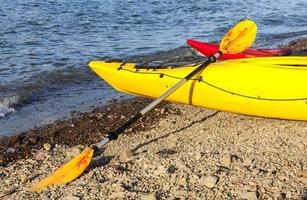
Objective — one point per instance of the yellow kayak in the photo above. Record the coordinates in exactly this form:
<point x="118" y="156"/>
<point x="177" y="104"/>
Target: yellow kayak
<point x="274" y="87"/>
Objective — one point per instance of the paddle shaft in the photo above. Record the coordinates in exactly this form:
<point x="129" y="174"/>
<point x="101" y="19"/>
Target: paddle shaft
<point x="114" y="134"/>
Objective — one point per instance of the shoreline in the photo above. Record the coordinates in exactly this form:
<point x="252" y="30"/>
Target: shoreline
<point x="83" y="128"/>
<point x="179" y="151"/>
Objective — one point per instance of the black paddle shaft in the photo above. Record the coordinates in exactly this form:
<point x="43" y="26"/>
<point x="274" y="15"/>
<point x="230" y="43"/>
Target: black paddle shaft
<point x="114" y="134"/>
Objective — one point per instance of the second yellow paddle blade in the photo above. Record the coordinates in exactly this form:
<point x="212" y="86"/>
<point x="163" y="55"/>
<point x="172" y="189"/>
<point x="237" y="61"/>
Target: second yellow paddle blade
<point x="239" y="38"/>
<point x="67" y="172"/>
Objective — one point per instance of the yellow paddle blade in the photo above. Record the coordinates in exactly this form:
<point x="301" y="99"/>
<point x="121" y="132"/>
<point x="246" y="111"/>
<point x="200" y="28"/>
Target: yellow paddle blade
<point x="68" y="172"/>
<point x="239" y="38"/>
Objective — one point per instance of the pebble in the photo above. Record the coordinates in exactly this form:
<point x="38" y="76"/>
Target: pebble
<point x="197" y="156"/>
<point x="47" y="146"/>
<point x="71" y="197"/>
<point x="249" y="196"/>
<point x="282" y="177"/>
<point x="125" y="156"/>
<point x="171" y="169"/>
<point x="247" y="162"/>
<point x="179" y="194"/>
<point x="149" y="197"/>
<point x="209" y="181"/>
<point x="117" y="195"/>
<point x="23" y="177"/>
<point x="166" y="187"/>
<point x="173" y="178"/>
<point x="250" y="188"/>
<point x="40" y="155"/>
<point x="301" y="145"/>
<point x="7" y="192"/>
<point x="303" y="181"/>
<point x="202" y="131"/>
<point x="301" y="173"/>
<point x="73" y="151"/>
<point x="182" y="180"/>
<point x="226" y="160"/>
<point x="288" y="195"/>
<point x="160" y="170"/>
<point x="266" y="183"/>
<point x="10" y="150"/>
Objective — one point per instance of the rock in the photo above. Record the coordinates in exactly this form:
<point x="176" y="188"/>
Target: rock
<point x="71" y="197"/>
<point x="266" y="183"/>
<point x="162" y="110"/>
<point x="288" y="195"/>
<point x="276" y="195"/>
<point x="198" y="156"/>
<point x="172" y="169"/>
<point x="209" y="181"/>
<point x="10" y="150"/>
<point x="117" y="195"/>
<point x="150" y="197"/>
<point x="23" y="177"/>
<point x="160" y="170"/>
<point x="301" y="173"/>
<point x="255" y="172"/>
<point x="193" y="179"/>
<point x="73" y="151"/>
<point x="250" y="188"/>
<point x="180" y="194"/>
<point x="226" y="160"/>
<point x="7" y="192"/>
<point x="182" y="180"/>
<point x="303" y="180"/>
<point x="173" y="178"/>
<point x="125" y="156"/>
<point x="33" y="176"/>
<point x="249" y="196"/>
<point x="32" y="139"/>
<point x="40" y="155"/>
<point x="301" y="145"/>
<point x="47" y="146"/>
<point x="166" y="187"/>
<point x="282" y="177"/>
<point x="247" y="162"/>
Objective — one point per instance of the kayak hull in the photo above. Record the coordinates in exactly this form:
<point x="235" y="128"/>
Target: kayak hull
<point x="274" y="88"/>
<point x="208" y="49"/>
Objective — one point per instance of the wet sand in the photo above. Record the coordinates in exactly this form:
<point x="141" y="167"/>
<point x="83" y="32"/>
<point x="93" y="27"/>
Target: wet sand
<point x="179" y="152"/>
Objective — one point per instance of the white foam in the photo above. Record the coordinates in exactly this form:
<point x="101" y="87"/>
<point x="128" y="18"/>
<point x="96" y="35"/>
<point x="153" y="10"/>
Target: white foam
<point x="6" y="105"/>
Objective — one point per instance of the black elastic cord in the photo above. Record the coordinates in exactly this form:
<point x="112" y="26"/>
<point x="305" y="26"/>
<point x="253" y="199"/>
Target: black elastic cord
<point x="221" y="89"/>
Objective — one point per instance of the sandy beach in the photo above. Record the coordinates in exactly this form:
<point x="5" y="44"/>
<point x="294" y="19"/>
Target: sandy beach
<point x="175" y="152"/>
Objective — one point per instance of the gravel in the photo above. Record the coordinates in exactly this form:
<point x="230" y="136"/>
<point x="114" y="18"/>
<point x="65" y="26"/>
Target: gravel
<point x="201" y="154"/>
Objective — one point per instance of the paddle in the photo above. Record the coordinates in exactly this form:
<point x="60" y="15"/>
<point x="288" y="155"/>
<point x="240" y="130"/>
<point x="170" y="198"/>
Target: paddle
<point x="239" y="38"/>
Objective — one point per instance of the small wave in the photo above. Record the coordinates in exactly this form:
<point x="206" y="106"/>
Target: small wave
<point x="38" y="85"/>
<point x="7" y="105"/>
